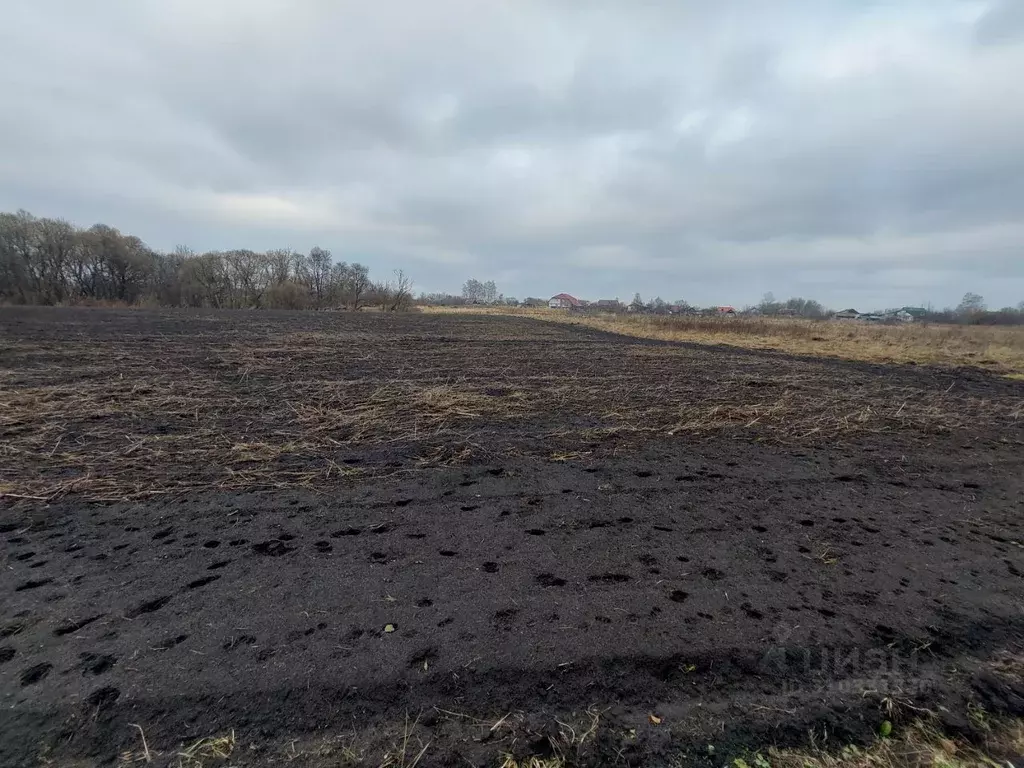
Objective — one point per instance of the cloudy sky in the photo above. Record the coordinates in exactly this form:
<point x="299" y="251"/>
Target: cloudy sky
<point x="866" y="153"/>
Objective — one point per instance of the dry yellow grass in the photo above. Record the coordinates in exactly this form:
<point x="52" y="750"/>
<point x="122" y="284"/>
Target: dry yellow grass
<point x="995" y="348"/>
<point x="204" y="753"/>
<point x="920" y="745"/>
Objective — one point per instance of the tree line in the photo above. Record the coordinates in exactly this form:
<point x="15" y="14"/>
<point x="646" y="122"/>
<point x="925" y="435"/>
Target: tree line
<point x="972" y="309"/>
<point x="50" y="261"/>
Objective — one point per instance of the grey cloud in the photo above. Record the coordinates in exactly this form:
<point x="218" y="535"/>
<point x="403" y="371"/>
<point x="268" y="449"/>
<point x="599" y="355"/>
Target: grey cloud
<point x="1002" y="22"/>
<point x="725" y="148"/>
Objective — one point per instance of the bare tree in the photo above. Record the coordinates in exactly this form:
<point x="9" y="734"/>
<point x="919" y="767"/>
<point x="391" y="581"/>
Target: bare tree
<point x="359" y="284"/>
<point x="57" y="242"/>
<point x="19" y="248"/>
<point x="971" y="304"/>
<point x="85" y="268"/>
<point x="123" y="263"/>
<point x="768" y="305"/>
<point x="249" y="274"/>
<point x="300" y="270"/>
<point x="319" y="270"/>
<point x="50" y="260"/>
<point x="338" y="284"/>
<point x="280" y="265"/>
<point x="473" y="290"/>
<point x="168" y="287"/>
<point x="15" y="255"/>
<point x="401" y="292"/>
<point x="207" y="273"/>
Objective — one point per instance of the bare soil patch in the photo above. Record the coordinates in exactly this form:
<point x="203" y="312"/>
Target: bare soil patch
<point x="345" y="538"/>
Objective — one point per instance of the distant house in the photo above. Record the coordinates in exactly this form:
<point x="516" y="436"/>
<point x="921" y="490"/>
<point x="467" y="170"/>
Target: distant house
<point x="563" y="301"/>
<point x="726" y="310"/>
<point x="917" y="313"/>
<point x="897" y="316"/>
<point x="847" y="314"/>
<point x="608" y="305"/>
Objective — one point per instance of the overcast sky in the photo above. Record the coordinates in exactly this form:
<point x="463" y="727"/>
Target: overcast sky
<point x="868" y="154"/>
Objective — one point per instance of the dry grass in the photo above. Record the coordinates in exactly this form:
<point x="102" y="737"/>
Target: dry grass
<point x="921" y="745"/>
<point x="208" y="752"/>
<point x="407" y="750"/>
<point x="995" y="348"/>
<point x="402" y="410"/>
<point x="532" y="762"/>
<point x="256" y="428"/>
<point x="232" y="407"/>
<point x="567" y="744"/>
<point x="96" y="439"/>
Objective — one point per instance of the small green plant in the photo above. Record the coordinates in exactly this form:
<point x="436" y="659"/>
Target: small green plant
<point x="757" y="760"/>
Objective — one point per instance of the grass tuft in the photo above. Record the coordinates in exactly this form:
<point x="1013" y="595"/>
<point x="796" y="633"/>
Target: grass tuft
<point x="207" y="752"/>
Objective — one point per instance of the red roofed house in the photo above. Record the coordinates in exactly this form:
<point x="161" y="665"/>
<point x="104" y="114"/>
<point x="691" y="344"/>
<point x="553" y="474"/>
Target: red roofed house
<point x="727" y="310"/>
<point x="563" y="301"/>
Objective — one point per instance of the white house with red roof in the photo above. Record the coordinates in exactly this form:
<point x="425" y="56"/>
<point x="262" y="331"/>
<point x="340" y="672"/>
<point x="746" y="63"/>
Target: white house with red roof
<point x="563" y="301"/>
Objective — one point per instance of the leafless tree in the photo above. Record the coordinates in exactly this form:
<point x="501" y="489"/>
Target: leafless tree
<point x="319" y="270"/>
<point x="57" y="242"/>
<point x="208" y="274"/>
<point x="249" y="274"/>
<point x="50" y="260"/>
<point x="15" y="254"/>
<point x="359" y="284"/>
<point x="473" y="290"/>
<point x="280" y="265"/>
<point x="971" y="304"/>
<point x="401" y="292"/>
<point x="20" y="256"/>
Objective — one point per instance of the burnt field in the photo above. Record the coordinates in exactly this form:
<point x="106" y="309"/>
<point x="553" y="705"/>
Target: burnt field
<point x="366" y="539"/>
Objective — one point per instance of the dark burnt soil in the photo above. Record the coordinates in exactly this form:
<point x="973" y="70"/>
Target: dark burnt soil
<point x="741" y="584"/>
<point x="134" y="404"/>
